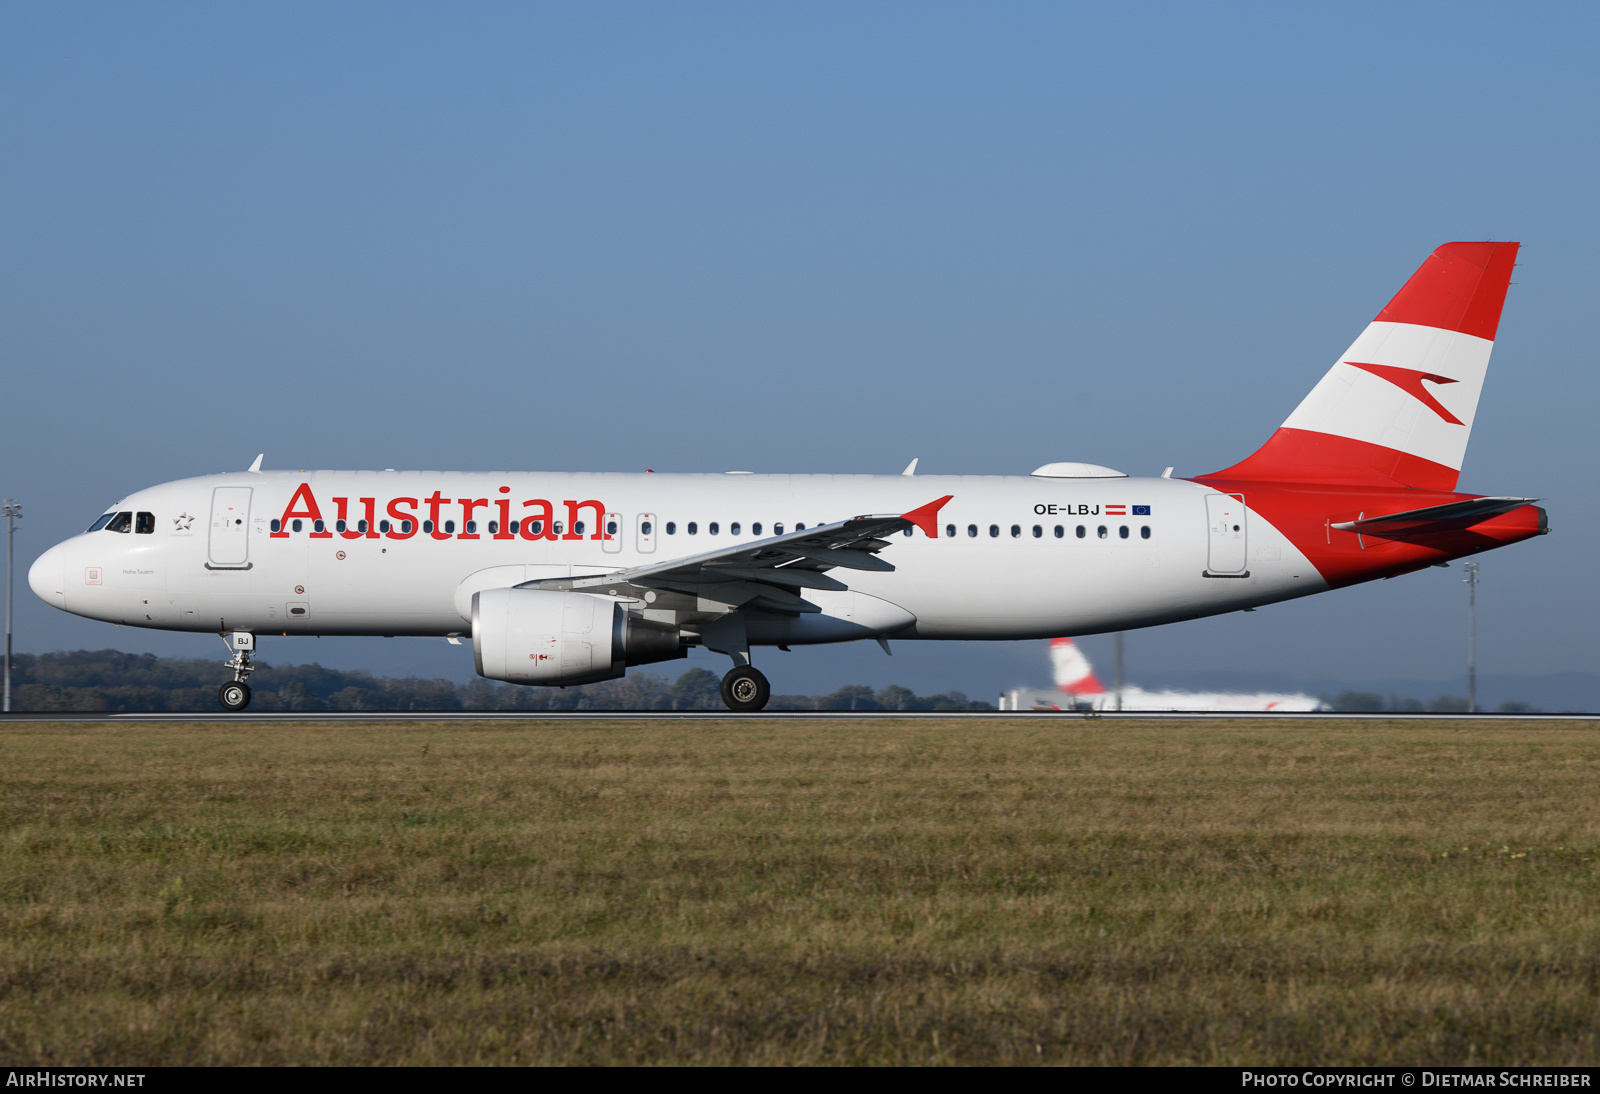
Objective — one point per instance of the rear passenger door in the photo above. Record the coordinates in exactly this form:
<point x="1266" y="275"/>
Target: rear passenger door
<point x="1225" y="553"/>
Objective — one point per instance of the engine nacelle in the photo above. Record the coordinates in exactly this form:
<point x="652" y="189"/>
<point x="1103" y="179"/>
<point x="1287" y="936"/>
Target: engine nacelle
<point x="544" y="636"/>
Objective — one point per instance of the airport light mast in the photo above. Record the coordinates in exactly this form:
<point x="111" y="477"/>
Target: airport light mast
<point x="13" y="512"/>
<point x="1119" y="670"/>
<point x="1472" y="635"/>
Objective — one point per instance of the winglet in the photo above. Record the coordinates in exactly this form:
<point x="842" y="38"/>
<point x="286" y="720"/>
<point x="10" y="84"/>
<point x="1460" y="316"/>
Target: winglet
<point x="911" y="469"/>
<point x="927" y="517"/>
<point x="256" y="467"/>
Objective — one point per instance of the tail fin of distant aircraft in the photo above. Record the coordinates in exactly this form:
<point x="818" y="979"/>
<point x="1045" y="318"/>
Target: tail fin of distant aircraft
<point x="1073" y="674"/>
<point x="1397" y="408"/>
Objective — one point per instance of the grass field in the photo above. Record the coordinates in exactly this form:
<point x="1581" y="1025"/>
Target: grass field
<point x="818" y="892"/>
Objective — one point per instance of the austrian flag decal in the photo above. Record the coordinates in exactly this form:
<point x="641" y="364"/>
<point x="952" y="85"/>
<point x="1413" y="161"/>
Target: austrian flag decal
<point x="1116" y="510"/>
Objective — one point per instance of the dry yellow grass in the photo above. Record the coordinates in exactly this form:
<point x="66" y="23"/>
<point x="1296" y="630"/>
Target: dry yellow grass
<point x="816" y="892"/>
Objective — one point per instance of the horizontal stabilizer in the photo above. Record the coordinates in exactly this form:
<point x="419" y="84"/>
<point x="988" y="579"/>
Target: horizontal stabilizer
<point x="1460" y="513"/>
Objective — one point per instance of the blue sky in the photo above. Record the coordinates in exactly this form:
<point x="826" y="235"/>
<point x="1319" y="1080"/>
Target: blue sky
<point x="806" y="237"/>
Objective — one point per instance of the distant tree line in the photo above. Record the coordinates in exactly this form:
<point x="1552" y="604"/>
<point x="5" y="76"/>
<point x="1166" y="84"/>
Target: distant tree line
<point x="1371" y="702"/>
<point x="110" y="680"/>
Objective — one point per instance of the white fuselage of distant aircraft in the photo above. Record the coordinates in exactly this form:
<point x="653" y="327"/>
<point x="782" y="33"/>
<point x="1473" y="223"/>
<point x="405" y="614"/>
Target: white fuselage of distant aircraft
<point x="1078" y="688"/>
<point x="566" y="578"/>
<point x="1134" y="699"/>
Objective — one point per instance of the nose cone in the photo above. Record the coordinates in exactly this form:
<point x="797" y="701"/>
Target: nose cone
<point x="47" y="577"/>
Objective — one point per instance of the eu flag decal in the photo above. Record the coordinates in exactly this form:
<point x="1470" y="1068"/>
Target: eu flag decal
<point x="1141" y="510"/>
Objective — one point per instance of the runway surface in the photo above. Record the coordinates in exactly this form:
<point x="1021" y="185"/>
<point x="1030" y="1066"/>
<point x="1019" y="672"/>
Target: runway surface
<point x="770" y="716"/>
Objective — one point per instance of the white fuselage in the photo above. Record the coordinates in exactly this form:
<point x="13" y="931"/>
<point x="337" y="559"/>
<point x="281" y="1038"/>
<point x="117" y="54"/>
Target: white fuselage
<point x="214" y="562"/>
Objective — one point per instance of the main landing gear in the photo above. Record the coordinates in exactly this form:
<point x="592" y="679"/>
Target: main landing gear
<point x="235" y="695"/>
<point x="745" y="690"/>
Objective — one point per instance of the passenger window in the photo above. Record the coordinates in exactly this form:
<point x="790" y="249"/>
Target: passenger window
<point x="405" y="526"/>
<point x="472" y="527"/>
<point x="799" y="527"/>
<point x="577" y="528"/>
<point x="712" y="528"/>
<point x="144" y="524"/>
<point x="361" y="526"/>
<point x="338" y="526"/>
<point x="1144" y="533"/>
<point x="556" y="528"/>
<point x="972" y="530"/>
<point x="693" y="528"/>
<point x="514" y="527"/>
<point x="1123" y="531"/>
<point x="494" y="527"/>
<point x="1101" y="531"/>
<point x="994" y="531"/>
<point x="777" y="529"/>
<point x="536" y="527"/>
<point x="297" y="525"/>
<point x="1082" y="531"/>
<point x="733" y="529"/>
<point x="449" y="526"/>
<point x="383" y="526"/>
<point x="672" y="527"/>
<point x="1038" y="532"/>
<point x="755" y="529"/>
<point x="1060" y="531"/>
<point x="908" y="531"/>
<point x="277" y="525"/>
<point x="427" y="526"/>
<point x="1016" y="531"/>
<point x="645" y="527"/>
<point x="105" y="519"/>
<point x="950" y="530"/>
<point x="611" y="527"/>
<point x="122" y="523"/>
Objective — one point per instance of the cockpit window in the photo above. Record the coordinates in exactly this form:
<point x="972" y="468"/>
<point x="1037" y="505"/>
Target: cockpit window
<point x="123" y="522"/>
<point x="105" y="519"/>
<point x="144" y="524"/>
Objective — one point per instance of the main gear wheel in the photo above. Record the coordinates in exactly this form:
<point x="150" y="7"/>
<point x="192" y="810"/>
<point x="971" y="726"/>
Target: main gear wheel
<point x="745" y="690"/>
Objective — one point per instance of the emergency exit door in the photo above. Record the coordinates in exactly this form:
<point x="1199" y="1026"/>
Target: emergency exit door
<point x="230" y="527"/>
<point x="1225" y="552"/>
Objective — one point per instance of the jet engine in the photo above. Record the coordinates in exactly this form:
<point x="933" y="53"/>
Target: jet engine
<point x="545" y="636"/>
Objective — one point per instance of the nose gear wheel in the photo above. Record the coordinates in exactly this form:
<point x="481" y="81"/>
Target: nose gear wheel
<point x="234" y="695"/>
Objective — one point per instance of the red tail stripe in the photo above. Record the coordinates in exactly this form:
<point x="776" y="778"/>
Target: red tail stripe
<point x="1461" y="287"/>
<point x="1304" y="455"/>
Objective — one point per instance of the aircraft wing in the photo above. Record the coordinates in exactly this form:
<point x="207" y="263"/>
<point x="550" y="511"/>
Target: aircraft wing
<point x="775" y="566"/>
<point x="1460" y="513"/>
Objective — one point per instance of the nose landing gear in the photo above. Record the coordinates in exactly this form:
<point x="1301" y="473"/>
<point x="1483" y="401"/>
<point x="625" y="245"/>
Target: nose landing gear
<point x="745" y="689"/>
<point x="235" y="695"/>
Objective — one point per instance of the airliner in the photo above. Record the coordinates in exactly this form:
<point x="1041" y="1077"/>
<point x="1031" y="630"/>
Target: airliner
<point x="1078" y="688"/>
<point x="560" y="579"/>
